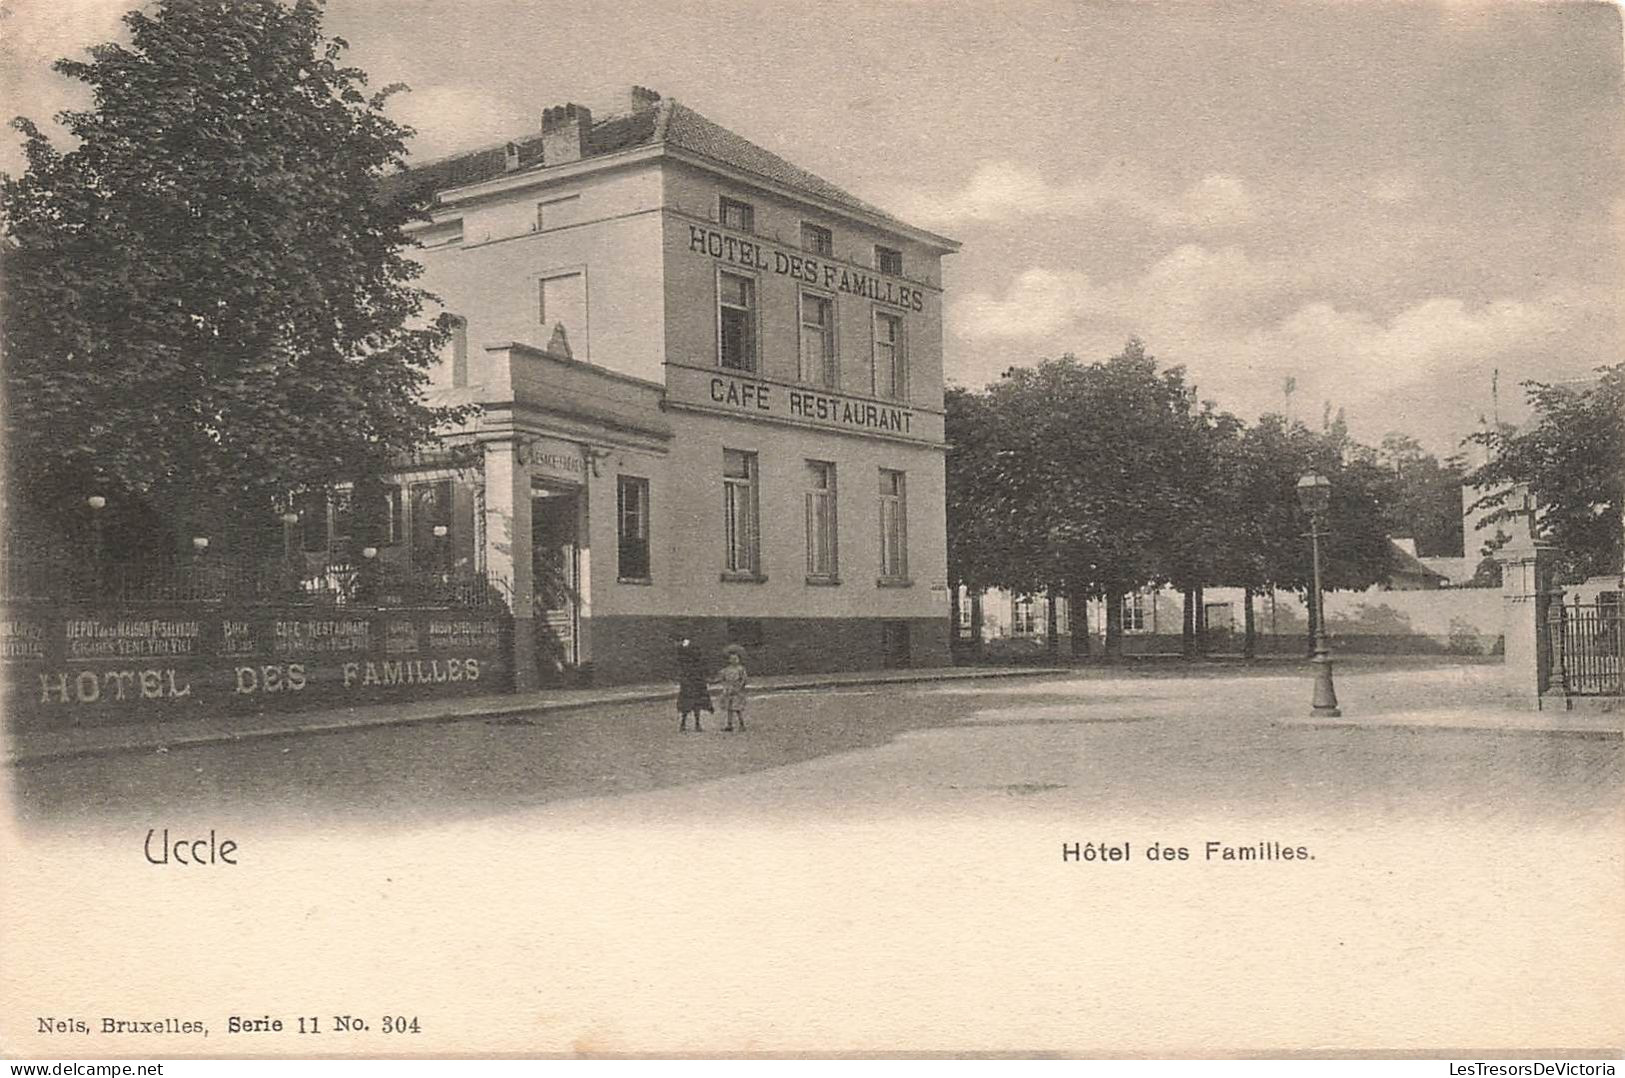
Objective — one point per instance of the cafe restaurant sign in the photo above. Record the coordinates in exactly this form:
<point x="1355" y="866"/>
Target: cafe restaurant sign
<point x="714" y="390"/>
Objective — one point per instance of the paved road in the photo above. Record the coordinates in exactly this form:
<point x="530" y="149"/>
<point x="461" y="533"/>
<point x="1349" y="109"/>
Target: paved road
<point x="873" y="869"/>
<point x="1157" y="741"/>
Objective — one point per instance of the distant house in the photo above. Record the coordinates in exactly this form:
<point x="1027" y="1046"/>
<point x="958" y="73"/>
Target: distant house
<point x="1407" y="572"/>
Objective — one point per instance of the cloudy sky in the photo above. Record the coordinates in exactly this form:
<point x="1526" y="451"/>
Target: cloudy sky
<point x="1386" y="203"/>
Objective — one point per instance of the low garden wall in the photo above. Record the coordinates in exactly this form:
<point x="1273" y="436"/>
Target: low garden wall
<point x="108" y="664"/>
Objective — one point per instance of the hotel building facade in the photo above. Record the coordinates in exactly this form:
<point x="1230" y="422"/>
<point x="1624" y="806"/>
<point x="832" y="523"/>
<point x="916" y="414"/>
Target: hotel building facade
<point x="711" y="393"/>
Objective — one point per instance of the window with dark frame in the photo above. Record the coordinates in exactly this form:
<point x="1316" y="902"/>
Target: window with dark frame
<point x="736" y="316"/>
<point x="817" y="239"/>
<point x="457" y="345"/>
<point x="343" y="518"/>
<point x="889" y="260"/>
<point x="313" y="521"/>
<point x="737" y="215"/>
<point x="431" y="510"/>
<point x="632" y="514"/>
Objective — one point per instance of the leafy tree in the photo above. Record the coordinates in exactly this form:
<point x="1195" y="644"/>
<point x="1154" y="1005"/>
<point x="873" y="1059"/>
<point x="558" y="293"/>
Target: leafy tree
<point x="1419" y="496"/>
<point x="208" y="300"/>
<point x="1569" y="458"/>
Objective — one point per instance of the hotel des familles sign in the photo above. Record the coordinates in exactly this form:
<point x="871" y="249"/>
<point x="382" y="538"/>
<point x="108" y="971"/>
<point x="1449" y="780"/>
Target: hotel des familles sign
<point x="705" y="387"/>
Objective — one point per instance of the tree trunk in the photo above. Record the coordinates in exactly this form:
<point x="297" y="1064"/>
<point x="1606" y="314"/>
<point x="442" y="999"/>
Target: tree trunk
<point x="1199" y="616"/>
<point x="1114" y="625"/>
<point x="1187" y="631"/>
<point x="1249" y="641"/>
<point x="976" y="624"/>
<point x="1077" y="619"/>
<point x="954" y="640"/>
<point x="1052" y="627"/>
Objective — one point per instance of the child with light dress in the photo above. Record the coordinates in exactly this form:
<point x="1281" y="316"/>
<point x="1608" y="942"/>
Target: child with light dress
<point x="734" y="680"/>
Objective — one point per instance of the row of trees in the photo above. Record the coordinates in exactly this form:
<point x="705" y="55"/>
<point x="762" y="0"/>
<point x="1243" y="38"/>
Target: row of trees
<point x="1091" y="480"/>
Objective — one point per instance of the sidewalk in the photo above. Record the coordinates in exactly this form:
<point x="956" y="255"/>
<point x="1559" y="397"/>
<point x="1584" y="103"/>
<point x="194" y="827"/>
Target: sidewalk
<point x="1505" y="721"/>
<point x="24" y="746"/>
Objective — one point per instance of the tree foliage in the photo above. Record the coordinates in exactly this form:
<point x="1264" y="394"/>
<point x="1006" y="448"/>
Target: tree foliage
<point x="208" y="298"/>
<point x="1571" y="458"/>
<point x="1101" y="478"/>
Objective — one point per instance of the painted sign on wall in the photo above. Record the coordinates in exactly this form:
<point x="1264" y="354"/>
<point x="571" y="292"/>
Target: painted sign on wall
<point x="107" y="665"/>
<point x="834" y="277"/>
<point x="726" y="391"/>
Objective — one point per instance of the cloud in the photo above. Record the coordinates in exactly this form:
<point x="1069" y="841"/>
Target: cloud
<point x="1241" y="326"/>
<point x="1190" y="286"/>
<point x="452" y="117"/>
<point x="1001" y="191"/>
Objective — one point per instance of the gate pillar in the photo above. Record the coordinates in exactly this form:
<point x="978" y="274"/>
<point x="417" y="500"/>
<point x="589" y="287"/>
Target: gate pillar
<point x="1526" y="596"/>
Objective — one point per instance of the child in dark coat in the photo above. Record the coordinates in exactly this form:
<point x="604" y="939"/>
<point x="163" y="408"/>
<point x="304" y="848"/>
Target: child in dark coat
<point x="692" y="693"/>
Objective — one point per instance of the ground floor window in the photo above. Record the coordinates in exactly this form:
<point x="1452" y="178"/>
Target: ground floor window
<point x="1134" y="612"/>
<point x="1022" y="619"/>
<point x="739" y="500"/>
<point x="893" y="525"/>
<point x="632" y="514"/>
<point x="821" y="527"/>
<point x="431" y="525"/>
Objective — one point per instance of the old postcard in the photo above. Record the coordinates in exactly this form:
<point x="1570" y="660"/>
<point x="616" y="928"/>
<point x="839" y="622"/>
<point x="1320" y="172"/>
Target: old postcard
<point x="801" y="529"/>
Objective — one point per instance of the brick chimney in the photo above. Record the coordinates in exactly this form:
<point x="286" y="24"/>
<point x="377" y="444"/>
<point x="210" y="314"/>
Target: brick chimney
<point x="564" y="133"/>
<point x="644" y="98"/>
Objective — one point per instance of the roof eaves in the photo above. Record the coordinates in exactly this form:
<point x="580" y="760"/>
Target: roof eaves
<point x="862" y="212"/>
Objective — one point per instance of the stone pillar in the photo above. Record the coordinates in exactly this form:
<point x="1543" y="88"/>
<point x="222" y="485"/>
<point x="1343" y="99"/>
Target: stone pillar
<point x="1525" y="600"/>
<point x="508" y="554"/>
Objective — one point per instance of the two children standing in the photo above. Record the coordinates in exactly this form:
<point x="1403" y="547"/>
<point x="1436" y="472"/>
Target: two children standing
<point x="694" y="694"/>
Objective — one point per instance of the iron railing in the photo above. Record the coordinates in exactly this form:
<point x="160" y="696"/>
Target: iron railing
<point x="1588" y="649"/>
<point x="47" y="575"/>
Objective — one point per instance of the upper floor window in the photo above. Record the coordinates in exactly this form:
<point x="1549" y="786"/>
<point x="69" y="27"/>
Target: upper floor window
<point x="457" y="349"/>
<point x="889" y="260"/>
<point x="891" y="360"/>
<point x="817" y="239"/>
<point x="740" y="216"/>
<point x="557" y="212"/>
<point x="736" y="321"/>
<point x="563" y="309"/>
<point x="818" y="339"/>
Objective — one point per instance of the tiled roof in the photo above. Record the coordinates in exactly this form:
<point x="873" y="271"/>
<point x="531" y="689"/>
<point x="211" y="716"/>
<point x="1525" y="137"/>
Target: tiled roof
<point x="667" y="122"/>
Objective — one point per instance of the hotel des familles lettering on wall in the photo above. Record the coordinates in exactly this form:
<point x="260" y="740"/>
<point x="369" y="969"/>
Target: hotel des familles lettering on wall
<point x="711" y="390"/>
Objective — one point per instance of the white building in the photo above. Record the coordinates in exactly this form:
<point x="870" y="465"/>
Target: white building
<point x="711" y="386"/>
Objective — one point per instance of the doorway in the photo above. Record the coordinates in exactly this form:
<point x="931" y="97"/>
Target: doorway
<point x="556" y="573"/>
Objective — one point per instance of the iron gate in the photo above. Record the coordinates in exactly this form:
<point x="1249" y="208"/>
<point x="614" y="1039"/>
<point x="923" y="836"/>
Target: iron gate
<point x="1586" y="648"/>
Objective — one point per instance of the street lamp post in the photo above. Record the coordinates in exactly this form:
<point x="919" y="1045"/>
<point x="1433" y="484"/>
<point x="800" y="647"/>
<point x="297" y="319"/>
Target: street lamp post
<point x="96" y="503"/>
<point x="1315" y="495"/>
